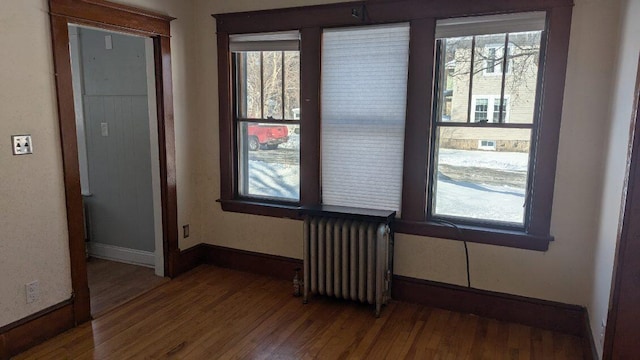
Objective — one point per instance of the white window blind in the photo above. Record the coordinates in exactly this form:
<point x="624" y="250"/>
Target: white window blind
<point x="364" y="95"/>
<point x="491" y="24"/>
<point x="276" y="41"/>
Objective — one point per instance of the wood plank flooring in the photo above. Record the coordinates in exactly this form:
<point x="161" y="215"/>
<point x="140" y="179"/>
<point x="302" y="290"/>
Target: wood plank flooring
<point x="214" y="313"/>
<point x="113" y="283"/>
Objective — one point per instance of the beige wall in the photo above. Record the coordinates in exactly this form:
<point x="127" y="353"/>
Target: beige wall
<point x="618" y="120"/>
<point x="562" y="274"/>
<point x="33" y="226"/>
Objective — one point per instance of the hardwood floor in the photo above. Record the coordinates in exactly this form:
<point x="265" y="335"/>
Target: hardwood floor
<point x="113" y="283"/>
<point x="215" y="313"/>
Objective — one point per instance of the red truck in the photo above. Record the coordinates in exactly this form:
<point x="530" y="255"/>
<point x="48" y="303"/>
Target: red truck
<point x="267" y="136"/>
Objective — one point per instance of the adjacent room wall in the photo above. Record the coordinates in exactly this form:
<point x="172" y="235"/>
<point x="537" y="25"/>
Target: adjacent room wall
<point x="33" y="229"/>
<point x="619" y="121"/>
<point x="120" y="208"/>
<point x="561" y="274"/>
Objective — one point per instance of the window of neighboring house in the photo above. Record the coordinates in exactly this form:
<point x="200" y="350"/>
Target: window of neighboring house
<point x="267" y="119"/>
<point x="486" y="145"/>
<point x="500" y="109"/>
<point x="469" y="185"/>
<point x="481" y="112"/>
<point x="493" y="59"/>
<point x="364" y="96"/>
<point x="483" y="104"/>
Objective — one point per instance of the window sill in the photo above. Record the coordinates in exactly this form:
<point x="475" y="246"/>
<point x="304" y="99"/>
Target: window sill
<point x="508" y="238"/>
<point x="262" y="208"/>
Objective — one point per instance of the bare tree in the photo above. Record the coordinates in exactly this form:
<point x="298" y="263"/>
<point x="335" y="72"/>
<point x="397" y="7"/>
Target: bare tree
<point x="272" y="80"/>
<point x="522" y="57"/>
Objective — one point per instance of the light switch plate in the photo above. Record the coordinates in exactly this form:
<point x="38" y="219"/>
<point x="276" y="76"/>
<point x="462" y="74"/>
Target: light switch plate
<point x="22" y="144"/>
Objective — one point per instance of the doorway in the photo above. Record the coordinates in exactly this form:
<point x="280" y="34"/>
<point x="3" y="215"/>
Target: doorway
<point x="128" y="20"/>
<point x="118" y="157"/>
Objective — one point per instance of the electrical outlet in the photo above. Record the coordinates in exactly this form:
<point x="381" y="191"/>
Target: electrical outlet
<point x="22" y="144"/>
<point x="185" y="231"/>
<point x="33" y="291"/>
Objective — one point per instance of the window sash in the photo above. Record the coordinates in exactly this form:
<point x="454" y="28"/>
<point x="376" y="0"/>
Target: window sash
<point x="481" y="110"/>
<point x="241" y="93"/>
<point x="241" y="154"/>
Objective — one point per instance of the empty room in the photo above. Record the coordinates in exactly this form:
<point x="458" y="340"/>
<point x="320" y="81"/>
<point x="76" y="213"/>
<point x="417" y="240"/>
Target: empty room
<point x="204" y="179"/>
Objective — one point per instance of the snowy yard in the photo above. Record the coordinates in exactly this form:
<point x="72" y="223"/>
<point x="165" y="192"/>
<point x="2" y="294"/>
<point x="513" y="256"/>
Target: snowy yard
<point x="482" y="185"/>
<point x="484" y="198"/>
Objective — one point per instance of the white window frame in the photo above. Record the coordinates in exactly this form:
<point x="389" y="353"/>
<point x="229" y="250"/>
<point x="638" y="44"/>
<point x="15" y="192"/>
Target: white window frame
<point x="486" y="147"/>
<point x="493" y="99"/>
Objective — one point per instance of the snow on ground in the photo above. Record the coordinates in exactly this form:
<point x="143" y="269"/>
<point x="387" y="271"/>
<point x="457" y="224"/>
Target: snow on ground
<point x="476" y="200"/>
<point x="293" y="143"/>
<point x="513" y="161"/>
<point x="274" y="180"/>
<point x="481" y="202"/>
<point x="453" y="197"/>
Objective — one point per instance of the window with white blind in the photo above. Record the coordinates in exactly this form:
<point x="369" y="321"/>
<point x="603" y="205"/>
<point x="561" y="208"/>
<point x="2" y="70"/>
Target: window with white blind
<point x="364" y="96"/>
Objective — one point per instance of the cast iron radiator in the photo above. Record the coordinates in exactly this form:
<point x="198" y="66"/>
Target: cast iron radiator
<point x="348" y="254"/>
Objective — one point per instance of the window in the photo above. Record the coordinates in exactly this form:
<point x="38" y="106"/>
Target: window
<point x="481" y="105"/>
<point x="364" y="86"/>
<point x="494" y="58"/>
<point x="267" y="119"/>
<point x="500" y="109"/>
<point x="469" y="185"/>
<point x="373" y="119"/>
<point x="486" y="144"/>
<point x="482" y="110"/>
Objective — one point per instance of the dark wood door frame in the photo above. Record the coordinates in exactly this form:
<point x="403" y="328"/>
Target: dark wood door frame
<point x="110" y="16"/>
<point x="622" y="335"/>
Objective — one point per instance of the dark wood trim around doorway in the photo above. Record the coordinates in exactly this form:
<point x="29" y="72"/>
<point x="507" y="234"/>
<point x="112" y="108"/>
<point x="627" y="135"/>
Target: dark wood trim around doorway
<point x="621" y="337"/>
<point x="110" y="16"/>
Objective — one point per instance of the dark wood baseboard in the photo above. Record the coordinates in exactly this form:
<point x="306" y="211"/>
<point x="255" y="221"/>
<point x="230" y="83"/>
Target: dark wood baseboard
<point x="279" y="267"/>
<point x="568" y="319"/>
<point x="36" y="328"/>
<point x="188" y="259"/>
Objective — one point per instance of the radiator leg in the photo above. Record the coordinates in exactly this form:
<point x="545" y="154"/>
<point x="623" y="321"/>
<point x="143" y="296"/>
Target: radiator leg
<point x="381" y="237"/>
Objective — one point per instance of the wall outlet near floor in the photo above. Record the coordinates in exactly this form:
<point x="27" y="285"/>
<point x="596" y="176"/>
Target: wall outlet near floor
<point x="603" y="327"/>
<point x="185" y="231"/>
<point x="33" y="291"/>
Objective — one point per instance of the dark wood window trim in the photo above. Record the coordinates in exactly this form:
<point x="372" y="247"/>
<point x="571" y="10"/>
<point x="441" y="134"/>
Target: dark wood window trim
<point x="310" y="21"/>
<point x="122" y="18"/>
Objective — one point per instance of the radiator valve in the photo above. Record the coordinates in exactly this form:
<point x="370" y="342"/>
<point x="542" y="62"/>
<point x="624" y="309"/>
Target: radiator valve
<point x="297" y="284"/>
